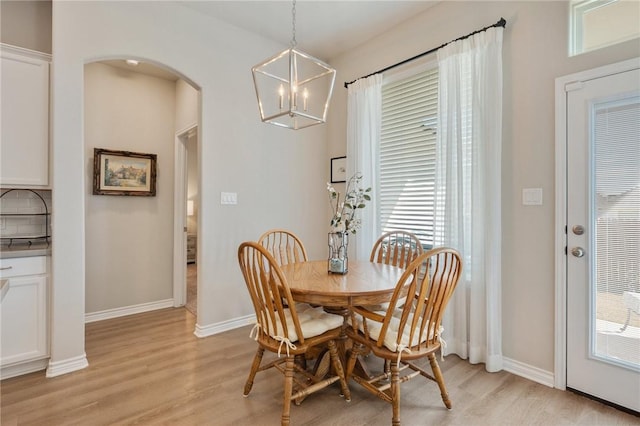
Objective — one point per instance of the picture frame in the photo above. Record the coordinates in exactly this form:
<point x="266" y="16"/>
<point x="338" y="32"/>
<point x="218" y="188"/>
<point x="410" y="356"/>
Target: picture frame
<point x="338" y="169"/>
<point x="124" y="173"/>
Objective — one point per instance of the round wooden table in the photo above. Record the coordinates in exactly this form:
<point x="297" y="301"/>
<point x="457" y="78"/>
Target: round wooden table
<point x="366" y="283"/>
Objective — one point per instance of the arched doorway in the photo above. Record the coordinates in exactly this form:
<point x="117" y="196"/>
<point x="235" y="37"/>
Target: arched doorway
<point x="131" y="244"/>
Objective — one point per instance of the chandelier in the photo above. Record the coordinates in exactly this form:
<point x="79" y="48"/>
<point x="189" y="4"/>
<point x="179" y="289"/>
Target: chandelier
<point x="293" y="88"/>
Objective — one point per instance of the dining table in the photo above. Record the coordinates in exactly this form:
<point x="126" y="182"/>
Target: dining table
<point x="365" y="283"/>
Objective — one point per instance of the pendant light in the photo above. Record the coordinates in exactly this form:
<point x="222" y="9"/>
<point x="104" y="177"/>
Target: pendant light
<point x="293" y="88"/>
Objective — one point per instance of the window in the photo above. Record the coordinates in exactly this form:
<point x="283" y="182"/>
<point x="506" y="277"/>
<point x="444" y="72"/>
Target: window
<point x="600" y="23"/>
<point x="407" y="155"/>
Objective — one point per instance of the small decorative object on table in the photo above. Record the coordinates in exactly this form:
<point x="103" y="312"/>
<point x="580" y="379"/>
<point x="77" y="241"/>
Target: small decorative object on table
<point x="338" y="243"/>
<point x="344" y="221"/>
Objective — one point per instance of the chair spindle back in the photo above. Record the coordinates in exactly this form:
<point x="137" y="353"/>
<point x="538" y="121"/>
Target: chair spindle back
<point x="433" y="277"/>
<point x="284" y="246"/>
<point x="269" y="293"/>
<point x="397" y="248"/>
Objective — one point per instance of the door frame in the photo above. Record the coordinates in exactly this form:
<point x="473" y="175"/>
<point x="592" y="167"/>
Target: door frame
<point x="180" y="216"/>
<point x="563" y="85"/>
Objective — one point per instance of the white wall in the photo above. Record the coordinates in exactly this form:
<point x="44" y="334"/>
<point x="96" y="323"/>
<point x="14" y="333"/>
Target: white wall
<point x="26" y="24"/>
<point x="278" y="174"/>
<point x="187" y="104"/>
<point x="128" y="240"/>
<point x="534" y="54"/>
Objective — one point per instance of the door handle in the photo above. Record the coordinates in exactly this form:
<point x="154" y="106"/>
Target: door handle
<point x="577" y="251"/>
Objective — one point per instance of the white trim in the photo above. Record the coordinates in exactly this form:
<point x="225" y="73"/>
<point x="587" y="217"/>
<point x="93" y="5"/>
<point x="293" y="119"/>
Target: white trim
<point x="127" y="310"/>
<point x="527" y="371"/>
<point x="179" y="216"/>
<point x="221" y="327"/>
<point x="23" y="368"/>
<point x="34" y="54"/>
<point x="560" y="353"/>
<point x="560" y="323"/>
<point x="58" y="368"/>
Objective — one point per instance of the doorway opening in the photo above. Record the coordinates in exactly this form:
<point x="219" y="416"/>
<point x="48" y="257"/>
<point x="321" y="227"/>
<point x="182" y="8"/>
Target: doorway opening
<point x="138" y="106"/>
<point x="187" y="178"/>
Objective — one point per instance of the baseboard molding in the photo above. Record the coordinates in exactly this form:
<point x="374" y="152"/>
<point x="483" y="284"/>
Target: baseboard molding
<point x="220" y="327"/>
<point x="57" y="368"/>
<point x="127" y="310"/>
<point x="521" y="369"/>
<point x="24" y="368"/>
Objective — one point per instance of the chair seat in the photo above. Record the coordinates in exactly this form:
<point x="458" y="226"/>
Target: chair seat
<point x="374" y="328"/>
<point x="313" y="322"/>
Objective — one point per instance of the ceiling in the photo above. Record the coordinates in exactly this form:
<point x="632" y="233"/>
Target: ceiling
<point x="323" y="28"/>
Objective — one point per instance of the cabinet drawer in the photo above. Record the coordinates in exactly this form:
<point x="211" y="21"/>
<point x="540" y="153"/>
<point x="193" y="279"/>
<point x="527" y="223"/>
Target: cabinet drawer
<point x="20" y="266"/>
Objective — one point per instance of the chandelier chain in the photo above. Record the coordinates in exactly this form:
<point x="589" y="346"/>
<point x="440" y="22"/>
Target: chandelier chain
<point x="293" y="24"/>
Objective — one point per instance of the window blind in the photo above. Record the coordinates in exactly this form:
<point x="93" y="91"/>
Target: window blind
<point x="617" y="199"/>
<point x="407" y="155"/>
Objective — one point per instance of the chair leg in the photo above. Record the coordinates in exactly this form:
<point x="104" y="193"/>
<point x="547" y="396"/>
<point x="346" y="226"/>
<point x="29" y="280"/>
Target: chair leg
<point x="257" y="359"/>
<point x="337" y="365"/>
<point x="395" y="393"/>
<point x="440" y="380"/>
<point x="288" y="389"/>
<point x="351" y="364"/>
<point x="387" y="367"/>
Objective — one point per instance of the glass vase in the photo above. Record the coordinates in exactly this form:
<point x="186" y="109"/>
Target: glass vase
<point x="338" y="243"/>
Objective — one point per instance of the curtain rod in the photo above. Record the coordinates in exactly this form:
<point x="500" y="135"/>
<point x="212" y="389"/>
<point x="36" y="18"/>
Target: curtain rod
<point x="501" y="23"/>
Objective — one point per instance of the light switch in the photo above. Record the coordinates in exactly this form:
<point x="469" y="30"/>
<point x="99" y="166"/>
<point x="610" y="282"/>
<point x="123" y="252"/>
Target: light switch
<point x="228" y="198"/>
<point x="531" y="196"/>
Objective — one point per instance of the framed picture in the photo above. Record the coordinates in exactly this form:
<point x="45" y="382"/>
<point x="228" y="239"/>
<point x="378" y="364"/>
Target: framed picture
<point x="338" y="169"/>
<point x="123" y="173"/>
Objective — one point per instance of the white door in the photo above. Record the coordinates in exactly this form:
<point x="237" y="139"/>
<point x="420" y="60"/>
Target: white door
<point x="603" y="237"/>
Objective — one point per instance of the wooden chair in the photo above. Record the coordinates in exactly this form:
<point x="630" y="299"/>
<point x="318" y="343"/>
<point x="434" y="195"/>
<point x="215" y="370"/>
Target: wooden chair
<point x="397" y="248"/>
<point x="284" y="246"/>
<point x="414" y="331"/>
<point x="287" y="328"/>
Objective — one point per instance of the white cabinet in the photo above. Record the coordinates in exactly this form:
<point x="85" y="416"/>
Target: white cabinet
<point x="24" y="134"/>
<point x="24" y="339"/>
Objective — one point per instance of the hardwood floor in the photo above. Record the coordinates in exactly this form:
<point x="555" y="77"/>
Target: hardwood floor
<point x="192" y="289"/>
<point x="150" y="369"/>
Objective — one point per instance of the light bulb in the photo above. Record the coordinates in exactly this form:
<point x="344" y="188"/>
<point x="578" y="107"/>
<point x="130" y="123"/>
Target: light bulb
<point x="294" y="89"/>
<point x="281" y="92"/>
<point x="305" y="97"/>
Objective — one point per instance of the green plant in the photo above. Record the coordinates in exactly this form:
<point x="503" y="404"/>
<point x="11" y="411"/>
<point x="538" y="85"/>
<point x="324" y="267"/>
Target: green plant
<point x="344" y="217"/>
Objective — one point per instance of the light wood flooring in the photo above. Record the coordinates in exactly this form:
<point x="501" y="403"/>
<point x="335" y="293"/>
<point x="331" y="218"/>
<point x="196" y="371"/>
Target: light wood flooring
<point x="150" y="369"/>
<point x="192" y="289"/>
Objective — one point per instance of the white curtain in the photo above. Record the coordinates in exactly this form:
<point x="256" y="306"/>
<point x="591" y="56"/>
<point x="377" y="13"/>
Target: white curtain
<point x="468" y="191"/>
<point x="364" y="117"/>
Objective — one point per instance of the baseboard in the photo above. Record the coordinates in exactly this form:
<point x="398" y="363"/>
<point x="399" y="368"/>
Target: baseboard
<point x="23" y="368"/>
<point x="220" y="327"/>
<point x="127" y="310"/>
<point x="521" y="369"/>
<point x="65" y="366"/>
